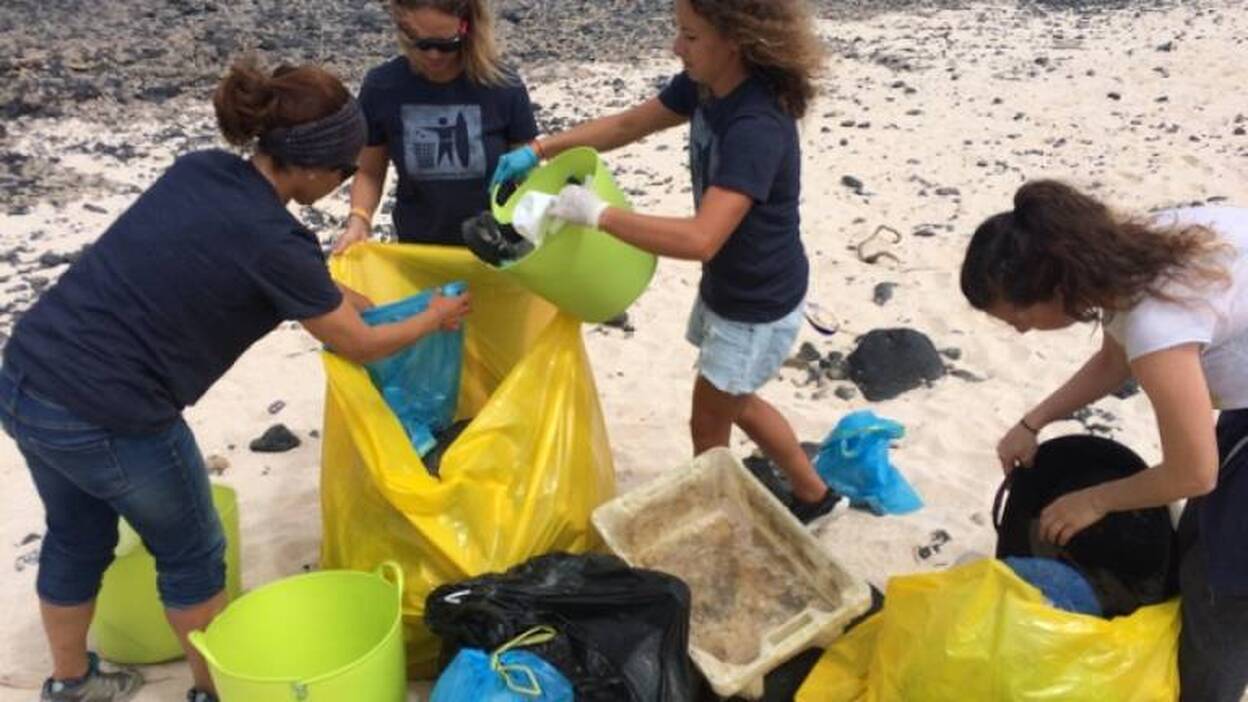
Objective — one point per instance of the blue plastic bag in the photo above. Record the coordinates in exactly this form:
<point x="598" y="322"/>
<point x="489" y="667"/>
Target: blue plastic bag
<point x="853" y="461"/>
<point x="506" y="676"/>
<point x="421" y="382"/>
<point x="1063" y="586"/>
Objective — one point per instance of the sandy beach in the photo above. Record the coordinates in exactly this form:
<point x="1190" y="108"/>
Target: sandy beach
<point x="928" y="120"/>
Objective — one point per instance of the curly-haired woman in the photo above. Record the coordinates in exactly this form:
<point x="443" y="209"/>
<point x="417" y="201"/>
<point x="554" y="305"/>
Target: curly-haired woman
<point x="749" y="75"/>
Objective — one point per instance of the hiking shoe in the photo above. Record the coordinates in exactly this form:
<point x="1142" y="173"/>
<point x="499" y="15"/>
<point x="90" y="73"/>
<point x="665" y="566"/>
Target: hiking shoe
<point x="807" y="512"/>
<point x="95" y="686"/>
<point x="197" y="695"/>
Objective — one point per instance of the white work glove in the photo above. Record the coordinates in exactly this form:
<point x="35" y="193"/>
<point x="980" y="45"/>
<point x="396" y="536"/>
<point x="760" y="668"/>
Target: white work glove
<point x="578" y="205"/>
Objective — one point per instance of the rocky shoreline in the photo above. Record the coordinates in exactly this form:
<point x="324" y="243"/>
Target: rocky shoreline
<point x="55" y="56"/>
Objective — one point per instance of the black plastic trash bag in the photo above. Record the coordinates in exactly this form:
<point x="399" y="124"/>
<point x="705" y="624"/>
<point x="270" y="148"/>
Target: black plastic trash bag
<point x="1130" y="557"/>
<point x="623" y="633"/>
<point x="493" y="243"/>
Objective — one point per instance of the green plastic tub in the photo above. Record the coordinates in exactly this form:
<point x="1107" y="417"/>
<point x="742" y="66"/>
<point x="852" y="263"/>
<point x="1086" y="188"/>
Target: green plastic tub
<point x="332" y="636"/>
<point x="129" y="624"/>
<point x="583" y="271"/>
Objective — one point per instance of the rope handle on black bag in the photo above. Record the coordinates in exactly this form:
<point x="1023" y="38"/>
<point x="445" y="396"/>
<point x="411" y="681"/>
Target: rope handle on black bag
<point x="998" y="502"/>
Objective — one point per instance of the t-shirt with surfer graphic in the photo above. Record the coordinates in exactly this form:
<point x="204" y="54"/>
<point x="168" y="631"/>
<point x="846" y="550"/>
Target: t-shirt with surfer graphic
<point x="444" y="140"/>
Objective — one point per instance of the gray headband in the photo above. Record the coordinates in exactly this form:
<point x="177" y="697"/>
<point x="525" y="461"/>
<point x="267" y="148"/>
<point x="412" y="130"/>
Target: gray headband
<point x="328" y="142"/>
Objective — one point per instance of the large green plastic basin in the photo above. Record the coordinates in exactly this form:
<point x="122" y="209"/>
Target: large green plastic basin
<point x="332" y="636"/>
<point x="130" y="625"/>
<point x="583" y="271"/>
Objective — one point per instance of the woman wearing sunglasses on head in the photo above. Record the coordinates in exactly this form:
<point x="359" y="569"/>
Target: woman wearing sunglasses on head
<point x="443" y="113"/>
<point x="202" y="265"/>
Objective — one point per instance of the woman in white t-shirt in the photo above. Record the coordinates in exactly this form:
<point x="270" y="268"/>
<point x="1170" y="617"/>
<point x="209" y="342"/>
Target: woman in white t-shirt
<point x="1171" y="290"/>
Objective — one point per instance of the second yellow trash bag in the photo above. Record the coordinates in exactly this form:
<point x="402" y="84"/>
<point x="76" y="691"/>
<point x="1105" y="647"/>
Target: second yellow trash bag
<point x="521" y="480"/>
<point x="979" y="632"/>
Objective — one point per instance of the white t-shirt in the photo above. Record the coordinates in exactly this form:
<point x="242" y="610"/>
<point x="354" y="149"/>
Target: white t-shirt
<point x="1214" y="315"/>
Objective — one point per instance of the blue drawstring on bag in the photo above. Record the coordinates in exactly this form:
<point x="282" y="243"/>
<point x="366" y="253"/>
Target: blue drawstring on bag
<point x="507" y="675"/>
<point x="421" y="382"/>
<point x="853" y="461"/>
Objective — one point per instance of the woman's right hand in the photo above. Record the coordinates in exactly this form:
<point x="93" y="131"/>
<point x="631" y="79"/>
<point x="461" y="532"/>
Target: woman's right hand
<point x="514" y="165"/>
<point x="450" y="311"/>
<point x="1017" y="447"/>
<point x="355" y="232"/>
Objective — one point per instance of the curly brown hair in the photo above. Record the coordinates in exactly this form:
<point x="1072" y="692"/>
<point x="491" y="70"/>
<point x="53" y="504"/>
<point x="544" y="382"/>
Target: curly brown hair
<point x="778" y="43"/>
<point x="1058" y="243"/>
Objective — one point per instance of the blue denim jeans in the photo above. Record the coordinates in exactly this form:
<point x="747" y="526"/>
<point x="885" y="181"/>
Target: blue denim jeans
<point x="87" y="476"/>
<point x="738" y="357"/>
<point x="1213" y="644"/>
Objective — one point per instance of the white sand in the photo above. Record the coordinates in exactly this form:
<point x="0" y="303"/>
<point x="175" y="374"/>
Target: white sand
<point x="1053" y="76"/>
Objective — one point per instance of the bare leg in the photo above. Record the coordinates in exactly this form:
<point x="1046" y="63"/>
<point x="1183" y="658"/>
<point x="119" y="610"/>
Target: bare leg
<point x="713" y="415"/>
<point x="773" y="434"/>
<point x="66" y="629"/>
<point x="184" y="621"/>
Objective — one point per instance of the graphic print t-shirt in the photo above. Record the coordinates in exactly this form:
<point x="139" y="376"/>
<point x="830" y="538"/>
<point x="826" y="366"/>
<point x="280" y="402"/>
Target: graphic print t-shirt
<point x="444" y="140"/>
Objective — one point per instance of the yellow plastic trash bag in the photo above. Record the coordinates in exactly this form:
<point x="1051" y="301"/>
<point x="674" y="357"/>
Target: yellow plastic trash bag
<point x="979" y="632"/>
<point x="521" y="480"/>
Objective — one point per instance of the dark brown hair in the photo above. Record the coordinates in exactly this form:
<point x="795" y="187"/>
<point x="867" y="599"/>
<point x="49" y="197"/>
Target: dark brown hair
<point x="778" y="43"/>
<point x="250" y="101"/>
<point x="1060" y="243"/>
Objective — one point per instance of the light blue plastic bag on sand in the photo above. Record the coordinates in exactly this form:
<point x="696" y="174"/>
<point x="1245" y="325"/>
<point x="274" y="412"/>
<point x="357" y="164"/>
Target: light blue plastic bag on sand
<point x="421" y="382"/>
<point x="853" y="461"/>
<point x="506" y="676"/>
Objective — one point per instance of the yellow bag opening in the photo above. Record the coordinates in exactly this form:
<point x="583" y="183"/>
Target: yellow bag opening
<point x="521" y="480"/>
<point x="979" y="632"/>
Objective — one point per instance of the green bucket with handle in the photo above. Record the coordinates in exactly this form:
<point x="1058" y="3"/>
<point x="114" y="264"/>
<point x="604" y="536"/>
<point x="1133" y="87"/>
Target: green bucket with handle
<point x="581" y="270"/>
<point x="129" y="625"/>
<point x="331" y="636"/>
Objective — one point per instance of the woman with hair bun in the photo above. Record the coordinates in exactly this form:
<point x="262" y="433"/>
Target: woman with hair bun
<point x="1171" y="291"/>
<point x="95" y="377"/>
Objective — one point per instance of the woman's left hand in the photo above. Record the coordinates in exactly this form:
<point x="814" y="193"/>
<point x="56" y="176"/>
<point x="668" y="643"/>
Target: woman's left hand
<point x="1070" y="514"/>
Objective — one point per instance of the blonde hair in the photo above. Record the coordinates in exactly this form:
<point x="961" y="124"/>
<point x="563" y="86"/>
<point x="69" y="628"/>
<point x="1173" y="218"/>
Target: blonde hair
<point x="778" y="43"/>
<point x="482" y="55"/>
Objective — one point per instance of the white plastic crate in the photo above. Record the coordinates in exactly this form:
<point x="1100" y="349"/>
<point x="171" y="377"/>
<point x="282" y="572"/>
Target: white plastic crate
<point x="763" y="588"/>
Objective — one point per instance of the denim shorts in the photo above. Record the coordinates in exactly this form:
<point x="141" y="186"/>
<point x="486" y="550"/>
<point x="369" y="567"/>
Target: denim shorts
<point x="87" y="475"/>
<point x="738" y="358"/>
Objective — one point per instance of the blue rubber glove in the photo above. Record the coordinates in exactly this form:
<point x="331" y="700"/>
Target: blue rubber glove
<point x="514" y="165"/>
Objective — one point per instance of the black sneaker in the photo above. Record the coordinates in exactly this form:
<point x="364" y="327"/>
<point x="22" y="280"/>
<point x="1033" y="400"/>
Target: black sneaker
<point x="198" y="695"/>
<point x="777" y="484"/>
<point x="807" y="512"/>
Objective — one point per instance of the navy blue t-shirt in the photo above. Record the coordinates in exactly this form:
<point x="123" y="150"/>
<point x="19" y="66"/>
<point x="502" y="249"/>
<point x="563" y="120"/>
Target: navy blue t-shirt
<point x="743" y="142"/>
<point x="201" y="266"/>
<point x="444" y="140"/>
